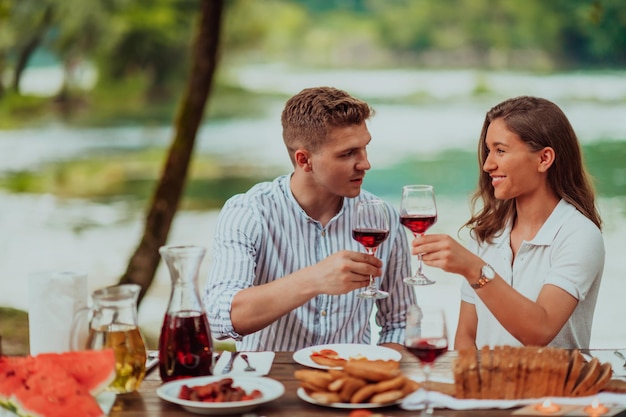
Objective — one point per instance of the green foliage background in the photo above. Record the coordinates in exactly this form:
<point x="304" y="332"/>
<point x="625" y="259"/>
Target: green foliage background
<point x="147" y="43"/>
<point x="140" y="50"/>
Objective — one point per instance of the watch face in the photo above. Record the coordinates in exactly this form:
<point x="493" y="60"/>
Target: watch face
<point x="488" y="272"/>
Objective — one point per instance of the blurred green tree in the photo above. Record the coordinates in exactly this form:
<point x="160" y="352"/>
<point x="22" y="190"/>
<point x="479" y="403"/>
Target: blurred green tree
<point x="149" y="38"/>
<point x="505" y="34"/>
<point x="16" y="45"/>
<point x="72" y="29"/>
<point x="591" y="33"/>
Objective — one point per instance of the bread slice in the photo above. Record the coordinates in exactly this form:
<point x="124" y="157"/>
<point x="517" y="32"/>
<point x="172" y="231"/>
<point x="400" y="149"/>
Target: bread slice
<point x="548" y="369"/>
<point x="458" y="371"/>
<point x="615" y="385"/>
<point x="576" y="364"/>
<point x="588" y="376"/>
<point x="605" y="376"/>
<point x="563" y="369"/>
<point x="542" y="376"/>
<point x="523" y="372"/>
<point x="530" y="358"/>
<point x="472" y="376"/>
<point x="511" y="367"/>
<point x="558" y="364"/>
<point x="486" y="371"/>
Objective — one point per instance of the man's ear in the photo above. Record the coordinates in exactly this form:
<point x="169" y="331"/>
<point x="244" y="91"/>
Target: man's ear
<point x="303" y="160"/>
<point x="547" y="156"/>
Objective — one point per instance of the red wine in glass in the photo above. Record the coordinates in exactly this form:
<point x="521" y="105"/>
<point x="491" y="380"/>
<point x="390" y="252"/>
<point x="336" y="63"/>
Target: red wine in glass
<point x="418" y="212"/>
<point x="427" y="349"/>
<point x="370" y="227"/>
<point x="185" y="346"/>
<point x="370" y="238"/>
<point x="418" y="224"/>
<point x="426" y="337"/>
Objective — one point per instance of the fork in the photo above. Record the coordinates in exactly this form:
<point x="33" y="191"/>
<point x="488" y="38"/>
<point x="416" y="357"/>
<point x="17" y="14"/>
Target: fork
<point x="229" y="365"/>
<point x="621" y="356"/>
<point x="248" y="368"/>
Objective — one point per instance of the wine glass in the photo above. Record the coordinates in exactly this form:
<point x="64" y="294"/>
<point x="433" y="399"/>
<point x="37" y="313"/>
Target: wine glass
<point x="418" y="211"/>
<point x="426" y="338"/>
<point x="370" y="229"/>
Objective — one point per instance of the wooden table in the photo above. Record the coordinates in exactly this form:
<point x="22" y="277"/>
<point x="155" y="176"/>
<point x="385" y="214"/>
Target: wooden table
<point x="146" y="403"/>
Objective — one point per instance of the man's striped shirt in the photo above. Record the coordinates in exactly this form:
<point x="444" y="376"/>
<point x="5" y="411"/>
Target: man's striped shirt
<point x="264" y="235"/>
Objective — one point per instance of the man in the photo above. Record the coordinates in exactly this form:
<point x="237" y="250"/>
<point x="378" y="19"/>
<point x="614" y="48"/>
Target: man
<point x="285" y="270"/>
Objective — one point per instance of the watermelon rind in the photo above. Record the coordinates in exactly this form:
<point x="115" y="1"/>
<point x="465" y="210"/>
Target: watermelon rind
<point x="8" y="406"/>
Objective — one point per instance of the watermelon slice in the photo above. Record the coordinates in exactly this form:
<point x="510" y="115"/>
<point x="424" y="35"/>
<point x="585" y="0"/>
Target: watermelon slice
<point x="93" y="369"/>
<point x="51" y="385"/>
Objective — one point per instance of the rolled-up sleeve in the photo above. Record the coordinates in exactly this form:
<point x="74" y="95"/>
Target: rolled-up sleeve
<point x="576" y="267"/>
<point x="232" y="268"/>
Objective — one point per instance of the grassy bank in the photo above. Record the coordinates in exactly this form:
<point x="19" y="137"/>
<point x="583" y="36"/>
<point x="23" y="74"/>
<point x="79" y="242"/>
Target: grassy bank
<point x="124" y="103"/>
<point x="131" y="176"/>
<point x="14" y="331"/>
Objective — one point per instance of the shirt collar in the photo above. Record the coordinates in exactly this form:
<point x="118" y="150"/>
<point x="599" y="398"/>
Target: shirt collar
<point x="553" y="224"/>
<point x="285" y="182"/>
<point x="546" y="234"/>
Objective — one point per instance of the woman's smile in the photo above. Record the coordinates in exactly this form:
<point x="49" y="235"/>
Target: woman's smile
<point x="496" y="180"/>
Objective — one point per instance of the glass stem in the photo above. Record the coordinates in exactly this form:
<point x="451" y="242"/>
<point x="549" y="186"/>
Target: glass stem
<point x="372" y="286"/>
<point x="418" y="273"/>
<point x="419" y="264"/>
<point x="428" y="409"/>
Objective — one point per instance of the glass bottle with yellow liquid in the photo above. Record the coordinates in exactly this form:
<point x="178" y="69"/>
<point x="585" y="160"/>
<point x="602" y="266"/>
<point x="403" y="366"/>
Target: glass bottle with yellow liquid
<point x="114" y="325"/>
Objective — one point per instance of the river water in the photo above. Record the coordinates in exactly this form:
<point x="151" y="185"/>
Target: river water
<point x="41" y="232"/>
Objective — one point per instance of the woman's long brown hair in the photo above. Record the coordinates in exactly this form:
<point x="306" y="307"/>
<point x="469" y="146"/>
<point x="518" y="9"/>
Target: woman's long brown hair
<point x="539" y="123"/>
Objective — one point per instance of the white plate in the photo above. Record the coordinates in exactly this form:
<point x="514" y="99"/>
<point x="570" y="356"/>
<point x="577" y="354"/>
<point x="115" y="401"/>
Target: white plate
<point x="346" y="351"/>
<point x="270" y="388"/>
<point x="304" y="396"/>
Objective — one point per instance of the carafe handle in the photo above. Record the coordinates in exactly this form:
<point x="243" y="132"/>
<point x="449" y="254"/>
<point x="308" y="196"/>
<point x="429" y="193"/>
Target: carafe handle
<point x="79" y="332"/>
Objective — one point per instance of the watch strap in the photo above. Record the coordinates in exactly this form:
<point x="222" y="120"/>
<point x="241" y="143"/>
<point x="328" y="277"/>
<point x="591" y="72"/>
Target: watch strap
<point x="483" y="280"/>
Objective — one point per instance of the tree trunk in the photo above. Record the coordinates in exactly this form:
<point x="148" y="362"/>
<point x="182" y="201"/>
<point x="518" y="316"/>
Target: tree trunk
<point x="30" y="47"/>
<point x="2" y="67"/>
<point x="143" y="263"/>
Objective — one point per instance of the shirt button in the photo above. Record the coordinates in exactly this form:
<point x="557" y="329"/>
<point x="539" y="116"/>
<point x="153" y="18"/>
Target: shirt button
<point x="323" y="232"/>
<point x="323" y="313"/>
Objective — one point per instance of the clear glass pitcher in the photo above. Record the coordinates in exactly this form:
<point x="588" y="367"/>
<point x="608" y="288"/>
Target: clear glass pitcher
<point x="185" y="344"/>
<point x="113" y="324"/>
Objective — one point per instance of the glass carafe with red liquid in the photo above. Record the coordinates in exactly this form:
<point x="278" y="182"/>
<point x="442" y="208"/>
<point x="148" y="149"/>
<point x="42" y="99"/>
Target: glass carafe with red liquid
<point x="185" y="344"/>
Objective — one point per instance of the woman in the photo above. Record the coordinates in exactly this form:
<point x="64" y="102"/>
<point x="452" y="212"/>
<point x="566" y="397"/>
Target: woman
<point x="535" y="265"/>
